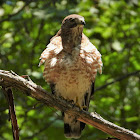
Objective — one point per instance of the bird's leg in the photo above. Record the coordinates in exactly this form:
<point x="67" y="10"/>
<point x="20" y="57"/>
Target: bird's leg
<point x="71" y="101"/>
<point x="77" y="104"/>
<point x="84" y="107"/>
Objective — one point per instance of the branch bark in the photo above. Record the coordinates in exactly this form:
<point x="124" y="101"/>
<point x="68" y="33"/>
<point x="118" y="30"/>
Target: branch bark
<point x="10" y="100"/>
<point x="10" y="79"/>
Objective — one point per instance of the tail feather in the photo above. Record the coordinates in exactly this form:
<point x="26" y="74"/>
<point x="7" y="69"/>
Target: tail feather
<point x="72" y="127"/>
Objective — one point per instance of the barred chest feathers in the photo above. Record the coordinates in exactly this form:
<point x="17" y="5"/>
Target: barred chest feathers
<point x="79" y="61"/>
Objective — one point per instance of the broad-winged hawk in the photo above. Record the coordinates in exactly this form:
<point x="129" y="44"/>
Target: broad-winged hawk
<point x="71" y="65"/>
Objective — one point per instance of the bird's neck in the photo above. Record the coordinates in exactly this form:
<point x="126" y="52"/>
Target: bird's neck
<point x="71" y="38"/>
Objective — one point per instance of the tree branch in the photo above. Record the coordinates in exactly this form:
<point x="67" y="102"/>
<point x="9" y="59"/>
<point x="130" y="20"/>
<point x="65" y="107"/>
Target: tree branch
<point x="10" y="79"/>
<point x="10" y="100"/>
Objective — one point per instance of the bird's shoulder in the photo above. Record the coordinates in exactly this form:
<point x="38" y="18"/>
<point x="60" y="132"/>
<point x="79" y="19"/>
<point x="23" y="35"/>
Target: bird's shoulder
<point x="90" y="53"/>
<point x="87" y="46"/>
<point x="52" y="49"/>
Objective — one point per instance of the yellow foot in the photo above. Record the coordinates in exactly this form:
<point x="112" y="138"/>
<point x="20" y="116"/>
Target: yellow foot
<point x="71" y="101"/>
<point x="62" y="98"/>
<point x="76" y="104"/>
<point x="68" y="100"/>
<point x="79" y="105"/>
<point x="84" y="107"/>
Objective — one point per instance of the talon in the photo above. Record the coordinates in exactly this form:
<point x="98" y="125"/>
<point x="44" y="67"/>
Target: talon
<point x="62" y="98"/>
<point x="84" y="107"/>
<point x="78" y="105"/>
<point x="71" y="101"/>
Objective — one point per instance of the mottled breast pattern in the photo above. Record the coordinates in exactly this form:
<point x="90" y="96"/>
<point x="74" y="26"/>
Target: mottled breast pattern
<point x="84" y="58"/>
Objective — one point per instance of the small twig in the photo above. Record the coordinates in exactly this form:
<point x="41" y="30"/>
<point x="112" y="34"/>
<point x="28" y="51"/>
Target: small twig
<point x="46" y="126"/>
<point x="36" y="40"/>
<point x="112" y="138"/>
<point x="26" y="77"/>
<point x="14" y="14"/>
<point x="13" y="72"/>
<point x="118" y="79"/>
<point x="12" y="114"/>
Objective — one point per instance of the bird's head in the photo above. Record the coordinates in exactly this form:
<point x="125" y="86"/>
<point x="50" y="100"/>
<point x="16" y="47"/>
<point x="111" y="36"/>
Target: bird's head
<point x="73" y="21"/>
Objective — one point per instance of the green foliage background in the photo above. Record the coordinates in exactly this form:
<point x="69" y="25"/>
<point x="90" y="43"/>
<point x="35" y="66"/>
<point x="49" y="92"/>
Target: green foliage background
<point x="113" y="26"/>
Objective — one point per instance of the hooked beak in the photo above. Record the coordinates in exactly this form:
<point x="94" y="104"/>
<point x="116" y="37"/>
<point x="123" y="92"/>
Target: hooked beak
<point x="82" y="21"/>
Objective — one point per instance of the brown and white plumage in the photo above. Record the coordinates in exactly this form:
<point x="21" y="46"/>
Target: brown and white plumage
<point x="71" y="65"/>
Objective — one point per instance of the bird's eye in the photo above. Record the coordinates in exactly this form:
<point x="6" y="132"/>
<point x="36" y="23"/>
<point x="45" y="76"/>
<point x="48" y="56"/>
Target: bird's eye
<point x="71" y="19"/>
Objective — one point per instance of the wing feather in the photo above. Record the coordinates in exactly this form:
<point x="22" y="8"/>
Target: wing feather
<point x="87" y="101"/>
<point x="52" y="49"/>
<point x="91" y="55"/>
